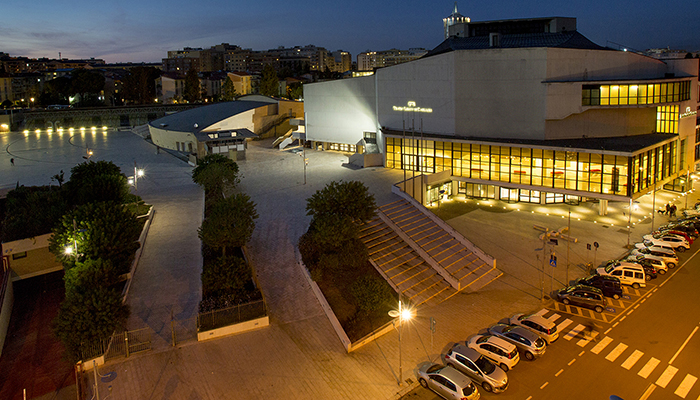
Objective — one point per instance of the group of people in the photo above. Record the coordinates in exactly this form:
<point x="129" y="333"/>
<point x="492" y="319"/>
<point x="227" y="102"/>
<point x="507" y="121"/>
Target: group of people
<point x="670" y="210"/>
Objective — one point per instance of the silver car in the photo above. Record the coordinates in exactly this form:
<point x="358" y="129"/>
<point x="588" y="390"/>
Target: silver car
<point x="543" y="327"/>
<point x="447" y="382"/>
<point x="477" y="367"/>
<point x="529" y="344"/>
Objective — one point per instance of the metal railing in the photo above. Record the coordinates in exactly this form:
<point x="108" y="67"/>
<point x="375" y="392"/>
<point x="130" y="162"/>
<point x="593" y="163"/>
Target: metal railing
<point x="231" y="315"/>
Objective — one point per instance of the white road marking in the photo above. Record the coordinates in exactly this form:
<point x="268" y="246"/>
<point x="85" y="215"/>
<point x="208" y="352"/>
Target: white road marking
<point x="601" y="345"/>
<point x="554" y="317"/>
<point x="643" y="300"/>
<point x="666" y="376"/>
<point x="529" y="398"/>
<point x="648" y="392"/>
<point x="683" y="345"/>
<point x="583" y="342"/>
<point x="559" y="373"/>
<point x="582" y="353"/>
<point x="648" y="367"/>
<point x="571" y="362"/>
<point x="623" y="318"/>
<point x="545" y="384"/>
<point x="563" y="324"/>
<point x="612" y="356"/>
<point x="635" y="307"/>
<point x="541" y="312"/>
<point x="574" y="332"/>
<point x="607" y="330"/>
<point x="631" y="360"/>
<point x="685" y="386"/>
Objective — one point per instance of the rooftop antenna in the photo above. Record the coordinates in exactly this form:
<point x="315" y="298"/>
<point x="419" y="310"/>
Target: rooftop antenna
<point x="59" y="55"/>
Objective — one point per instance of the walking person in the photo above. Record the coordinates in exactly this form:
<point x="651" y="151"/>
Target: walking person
<point x="12" y="161"/>
<point x="673" y="210"/>
<point x="668" y="208"/>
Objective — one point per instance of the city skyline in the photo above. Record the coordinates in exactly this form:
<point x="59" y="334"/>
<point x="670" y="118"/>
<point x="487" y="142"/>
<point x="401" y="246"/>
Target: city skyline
<point x="144" y="31"/>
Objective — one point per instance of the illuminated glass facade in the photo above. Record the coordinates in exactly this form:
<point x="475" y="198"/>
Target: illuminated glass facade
<point x="570" y="170"/>
<point x="667" y="119"/>
<point x="632" y="94"/>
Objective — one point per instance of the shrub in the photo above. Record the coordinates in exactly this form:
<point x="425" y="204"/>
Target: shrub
<point x="371" y="294"/>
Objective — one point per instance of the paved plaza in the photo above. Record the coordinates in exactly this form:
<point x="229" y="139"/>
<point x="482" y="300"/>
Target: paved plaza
<point x="298" y="355"/>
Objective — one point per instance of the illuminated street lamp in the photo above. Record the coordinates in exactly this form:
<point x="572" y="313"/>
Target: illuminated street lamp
<point x="404" y="314"/>
<point x="134" y="180"/>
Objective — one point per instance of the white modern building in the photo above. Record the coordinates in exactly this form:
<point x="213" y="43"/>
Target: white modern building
<point x="520" y="110"/>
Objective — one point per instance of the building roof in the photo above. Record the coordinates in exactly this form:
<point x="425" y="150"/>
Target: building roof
<point x="619" y="144"/>
<point x="567" y="40"/>
<point x="205" y="116"/>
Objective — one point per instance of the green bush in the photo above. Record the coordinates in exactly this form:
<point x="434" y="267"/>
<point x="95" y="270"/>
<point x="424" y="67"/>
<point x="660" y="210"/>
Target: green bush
<point x="226" y="276"/>
<point x="32" y="211"/>
<point x="371" y="294"/>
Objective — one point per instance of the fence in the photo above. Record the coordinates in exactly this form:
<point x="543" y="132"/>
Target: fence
<point x="232" y="315"/>
<point x="119" y="344"/>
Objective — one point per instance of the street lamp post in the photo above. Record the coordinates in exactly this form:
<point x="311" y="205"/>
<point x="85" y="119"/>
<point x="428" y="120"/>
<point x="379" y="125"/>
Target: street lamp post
<point x="403" y="314"/>
<point x="138" y="173"/>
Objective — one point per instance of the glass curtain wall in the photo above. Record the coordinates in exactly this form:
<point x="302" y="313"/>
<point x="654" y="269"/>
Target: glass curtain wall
<point x="580" y="171"/>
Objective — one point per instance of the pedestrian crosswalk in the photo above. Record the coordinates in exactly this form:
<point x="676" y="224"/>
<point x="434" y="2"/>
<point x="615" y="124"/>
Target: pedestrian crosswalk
<point x="629" y="359"/>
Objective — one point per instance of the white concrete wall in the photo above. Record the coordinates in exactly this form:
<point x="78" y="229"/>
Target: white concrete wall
<point x="167" y="139"/>
<point x="340" y="111"/>
<point x="238" y="121"/>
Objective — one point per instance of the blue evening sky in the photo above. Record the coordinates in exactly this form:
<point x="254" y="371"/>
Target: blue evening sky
<point x="144" y="30"/>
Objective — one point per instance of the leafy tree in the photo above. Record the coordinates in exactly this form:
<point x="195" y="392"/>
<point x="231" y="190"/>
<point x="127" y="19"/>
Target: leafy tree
<point x="6" y="104"/>
<point x="295" y="90"/>
<point x="59" y="178"/>
<point x="92" y="181"/>
<point x="228" y="91"/>
<point x="105" y="230"/>
<point x="269" y="84"/>
<point x="226" y="276"/>
<point x="32" y="211"/>
<point x="92" y="309"/>
<point x="229" y="223"/>
<point x="139" y="86"/>
<point x="87" y="84"/>
<point x="216" y="173"/>
<point x="56" y="91"/>
<point x="351" y="199"/>
<point x="371" y="294"/>
<point x="193" y="89"/>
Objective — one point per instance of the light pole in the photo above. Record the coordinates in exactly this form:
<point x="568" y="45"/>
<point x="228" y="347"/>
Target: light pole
<point x="404" y="314"/>
<point x="306" y="161"/>
<point x="138" y="173"/>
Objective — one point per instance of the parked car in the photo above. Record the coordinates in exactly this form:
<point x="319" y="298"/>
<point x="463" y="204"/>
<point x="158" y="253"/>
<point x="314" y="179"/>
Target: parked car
<point x="686" y="226"/>
<point x="677" y="232"/>
<point x="447" y="382"/>
<point x="529" y="344"/>
<point x="692" y="222"/>
<point x="477" y="367"/>
<point x="499" y="351"/>
<point x="609" y="285"/>
<point x="537" y="324"/>
<point x="668" y="255"/>
<point x="678" y="243"/>
<point x="629" y="273"/>
<point x="657" y="262"/>
<point x="583" y="296"/>
<point x="649" y="271"/>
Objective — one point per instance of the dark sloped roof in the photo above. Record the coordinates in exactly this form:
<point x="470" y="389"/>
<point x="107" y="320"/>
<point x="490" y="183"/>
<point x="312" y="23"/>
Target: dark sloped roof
<point x="567" y="40"/>
<point x="204" y="116"/>
<point x="622" y="144"/>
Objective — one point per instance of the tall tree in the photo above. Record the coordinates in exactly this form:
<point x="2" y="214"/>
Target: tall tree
<point x="139" y="86"/>
<point x="228" y="91"/>
<point x="230" y="223"/>
<point x="92" y="181"/>
<point x="269" y="84"/>
<point x="87" y="85"/>
<point x="216" y="174"/>
<point x="193" y="89"/>
<point x="351" y="199"/>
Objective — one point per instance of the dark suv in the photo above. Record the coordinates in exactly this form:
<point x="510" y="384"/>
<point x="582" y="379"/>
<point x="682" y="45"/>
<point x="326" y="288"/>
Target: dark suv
<point x="583" y="296"/>
<point x="609" y="285"/>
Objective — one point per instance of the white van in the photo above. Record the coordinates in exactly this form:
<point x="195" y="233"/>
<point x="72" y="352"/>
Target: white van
<point x="629" y="273"/>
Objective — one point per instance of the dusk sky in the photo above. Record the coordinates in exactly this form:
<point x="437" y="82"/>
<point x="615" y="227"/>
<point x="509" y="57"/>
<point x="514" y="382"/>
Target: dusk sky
<point x="138" y="30"/>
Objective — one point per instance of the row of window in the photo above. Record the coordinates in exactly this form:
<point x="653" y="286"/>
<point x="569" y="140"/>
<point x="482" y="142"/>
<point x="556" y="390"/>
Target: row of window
<point x="631" y="94"/>
<point x="588" y="172"/>
<point x="483" y="191"/>
<point x="667" y="119"/>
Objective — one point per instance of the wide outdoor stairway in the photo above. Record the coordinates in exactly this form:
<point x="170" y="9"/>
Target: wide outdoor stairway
<point x="402" y="267"/>
<point x="411" y="250"/>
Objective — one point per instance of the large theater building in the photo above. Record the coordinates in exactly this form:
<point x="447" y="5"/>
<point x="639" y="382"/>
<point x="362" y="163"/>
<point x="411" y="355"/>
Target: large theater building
<point x="520" y="110"/>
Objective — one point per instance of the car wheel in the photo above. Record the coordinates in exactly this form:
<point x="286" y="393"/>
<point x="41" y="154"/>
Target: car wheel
<point x="647" y="277"/>
<point x="662" y="271"/>
<point x="636" y="285"/>
<point x="423" y="383"/>
<point x="680" y="249"/>
<point x="598" y="309"/>
<point x="486" y="386"/>
<point x="616" y="296"/>
<point x="504" y="367"/>
<point x="671" y="265"/>
<point x="529" y="356"/>
<point x="566" y="301"/>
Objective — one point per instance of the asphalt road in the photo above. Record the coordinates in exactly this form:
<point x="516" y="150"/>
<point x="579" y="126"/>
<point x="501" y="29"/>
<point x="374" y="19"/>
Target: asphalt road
<point x="648" y="353"/>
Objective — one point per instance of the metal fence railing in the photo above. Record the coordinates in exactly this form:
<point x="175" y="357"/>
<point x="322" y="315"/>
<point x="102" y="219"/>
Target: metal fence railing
<point x="231" y="315"/>
<point x="118" y="345"/>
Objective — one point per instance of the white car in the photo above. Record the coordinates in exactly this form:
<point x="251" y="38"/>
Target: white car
<point x="657" y="262"/>
<point x="501" y="352"/>
<point x="665" y="253"/>
<point x="628" y="273"/>
<point x="447" y="382"/>
<point x="545" y="328"/>
<point x="678" y="243"/>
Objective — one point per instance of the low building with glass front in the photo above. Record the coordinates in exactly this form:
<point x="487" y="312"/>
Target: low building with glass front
<point x="520" y="110"/>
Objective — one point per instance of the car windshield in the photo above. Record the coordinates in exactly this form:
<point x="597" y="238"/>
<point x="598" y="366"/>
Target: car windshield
<point x="434" y="368"/>
<point x="609" y="268"/>
<point x="482" y="339"/>
<point x="485" y="365"/>
<point x="469" y="389"/>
